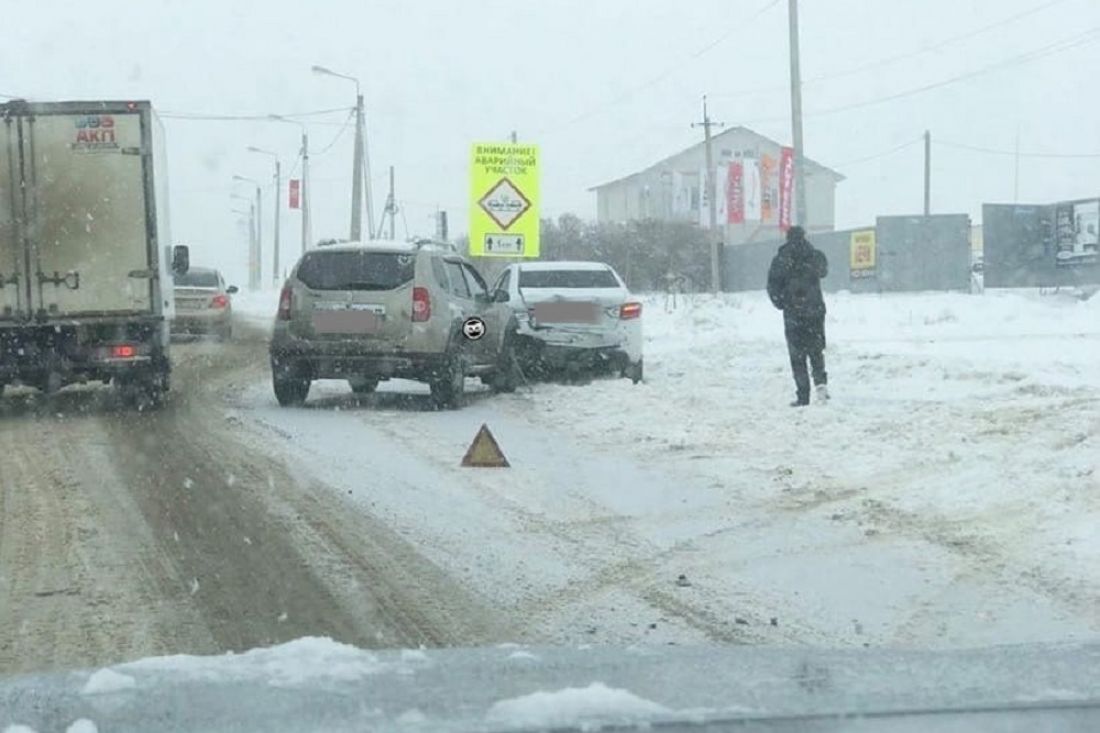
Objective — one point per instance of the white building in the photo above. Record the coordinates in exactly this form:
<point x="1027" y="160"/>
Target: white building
<point x="674" y="189"/>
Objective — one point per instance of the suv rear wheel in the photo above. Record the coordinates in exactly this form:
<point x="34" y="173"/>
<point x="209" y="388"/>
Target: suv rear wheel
<point x="291" y="384"/>
<point x="448" y="385"/>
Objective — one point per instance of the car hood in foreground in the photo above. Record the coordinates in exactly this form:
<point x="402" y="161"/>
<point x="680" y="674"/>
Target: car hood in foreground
<point x="320" y="685"/>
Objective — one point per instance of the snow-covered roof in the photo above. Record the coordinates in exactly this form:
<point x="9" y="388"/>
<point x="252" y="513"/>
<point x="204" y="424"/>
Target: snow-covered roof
<point x="719" y="139"/>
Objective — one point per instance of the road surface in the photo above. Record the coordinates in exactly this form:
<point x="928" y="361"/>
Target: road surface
<point x="125" y="535"/>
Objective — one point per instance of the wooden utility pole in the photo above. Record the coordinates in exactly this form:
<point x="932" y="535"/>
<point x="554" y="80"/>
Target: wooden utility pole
<point x="927" y="173"/>
<point x="796" y="119"/>
<point x="715" y="236"/>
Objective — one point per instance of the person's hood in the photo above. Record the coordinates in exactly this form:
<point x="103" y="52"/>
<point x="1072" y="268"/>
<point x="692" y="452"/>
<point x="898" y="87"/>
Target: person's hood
<point x="321" y="685"/>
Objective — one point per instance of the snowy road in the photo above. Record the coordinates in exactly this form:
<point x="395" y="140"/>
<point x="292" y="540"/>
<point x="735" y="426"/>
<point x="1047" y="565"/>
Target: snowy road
<point x="947" y="497"/>
<point x="124" y="535"/>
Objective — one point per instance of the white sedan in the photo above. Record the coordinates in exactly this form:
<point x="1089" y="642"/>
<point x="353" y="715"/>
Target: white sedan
<point x="575" y="314"/>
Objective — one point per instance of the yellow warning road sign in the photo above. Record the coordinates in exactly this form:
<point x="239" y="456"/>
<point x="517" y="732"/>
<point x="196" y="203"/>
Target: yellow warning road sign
<point x="504" y="200"/>
<point x="484" y="451"/>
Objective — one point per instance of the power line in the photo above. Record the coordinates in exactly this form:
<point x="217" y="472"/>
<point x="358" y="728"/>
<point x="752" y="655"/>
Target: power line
<point x="1013" y="153"/>
<point x="177" y="115"/>
<point x="883" y="154"/>
<point x="667" y="72"/>
<point x="1056" y="47"/>
<point x="335" y="139"/>
<point x="1065" y="44"/>
<point x="877" y="64"/>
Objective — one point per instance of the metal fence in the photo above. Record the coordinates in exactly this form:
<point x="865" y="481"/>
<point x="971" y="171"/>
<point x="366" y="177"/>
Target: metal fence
<point x="1043" y="246"/>
<point x="900" y="253"/>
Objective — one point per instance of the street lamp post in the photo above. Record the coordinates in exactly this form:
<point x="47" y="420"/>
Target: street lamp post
<point x="255" y="271"/>
<point x="304" y="192"/>
<point x="252" y="281"/>
<point x="276" y="206"/>
<point x="360" y="165"/>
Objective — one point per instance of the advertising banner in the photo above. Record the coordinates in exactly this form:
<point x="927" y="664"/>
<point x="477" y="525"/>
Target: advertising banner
<point x="721" y="178"/>
<point x="753" y="191"/>
<point x="769" y="189"/>
<point x="786" y="187"/>
<point x="1075" y="233"/>
<point x="862" y="254"/>
<point x="735" y="191"/>
<point x="295" y="193"/>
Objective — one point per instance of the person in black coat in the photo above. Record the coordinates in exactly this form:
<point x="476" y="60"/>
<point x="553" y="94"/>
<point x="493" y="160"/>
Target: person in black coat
<point x="794" y="286"/>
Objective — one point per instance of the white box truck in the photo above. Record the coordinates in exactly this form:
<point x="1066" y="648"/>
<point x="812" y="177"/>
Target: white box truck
<point x="86" y="260"/>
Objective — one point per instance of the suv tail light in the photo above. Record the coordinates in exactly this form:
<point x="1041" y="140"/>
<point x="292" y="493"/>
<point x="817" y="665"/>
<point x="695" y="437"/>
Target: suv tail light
<point x="123" y="351"/>
<point x="284" y="304"/>
<point x="630" y="310"/>
<point x="219" y="301"/>
<point x="422" y="304"/>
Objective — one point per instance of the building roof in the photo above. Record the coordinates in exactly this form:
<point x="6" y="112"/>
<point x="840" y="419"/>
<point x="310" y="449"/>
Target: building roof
<point x="717" y="139"/>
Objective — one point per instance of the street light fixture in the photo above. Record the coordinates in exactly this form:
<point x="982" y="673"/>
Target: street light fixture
<point x="256" y="263"/>
<point x="304" y="192"/>
<point x="360" y="164"/>
<point x="275" y="206"/>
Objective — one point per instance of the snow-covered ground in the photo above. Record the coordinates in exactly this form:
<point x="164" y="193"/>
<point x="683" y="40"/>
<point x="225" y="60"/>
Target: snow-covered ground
<point x="947" y="496"/>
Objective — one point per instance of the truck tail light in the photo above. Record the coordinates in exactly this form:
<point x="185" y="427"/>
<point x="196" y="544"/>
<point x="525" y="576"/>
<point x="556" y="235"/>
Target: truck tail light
<point x="219" y="301"/>
<point x="422" y="304"/>
<point x="284" y="304"/>
<point x="630" y="310"/>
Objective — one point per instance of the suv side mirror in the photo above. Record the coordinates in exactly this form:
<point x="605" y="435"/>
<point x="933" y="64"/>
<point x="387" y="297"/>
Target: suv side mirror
<point x="181" y="259"/>
<point x="501" y="296"/>
<point x="232" y="290"/>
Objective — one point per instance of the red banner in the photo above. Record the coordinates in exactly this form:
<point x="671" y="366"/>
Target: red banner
<point x="295" y="193"/>
<point x="786" y="187"/>
<point x="735" y="191"/>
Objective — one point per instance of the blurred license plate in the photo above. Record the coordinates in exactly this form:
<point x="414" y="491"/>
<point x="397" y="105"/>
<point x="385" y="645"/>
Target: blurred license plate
<point x="567" y="313"/>
<point x="347" y="321"/>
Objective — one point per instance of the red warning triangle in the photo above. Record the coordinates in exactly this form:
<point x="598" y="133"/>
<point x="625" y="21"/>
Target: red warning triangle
<point x="484" y="452"/>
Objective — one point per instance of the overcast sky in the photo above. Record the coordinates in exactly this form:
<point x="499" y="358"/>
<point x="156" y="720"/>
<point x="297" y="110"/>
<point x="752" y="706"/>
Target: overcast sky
<point x="605" y="87"/>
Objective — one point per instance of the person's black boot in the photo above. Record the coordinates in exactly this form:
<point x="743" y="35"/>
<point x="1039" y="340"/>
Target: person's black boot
<point x="801" y="401"/>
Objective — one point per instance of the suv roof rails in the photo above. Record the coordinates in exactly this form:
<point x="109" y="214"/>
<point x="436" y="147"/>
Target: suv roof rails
<point x="427" y="242"/>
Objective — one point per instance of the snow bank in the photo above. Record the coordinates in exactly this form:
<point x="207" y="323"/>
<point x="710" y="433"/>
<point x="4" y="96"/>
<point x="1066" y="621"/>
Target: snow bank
<point x="256" y="308"/>
<point x="106" y="681"/>
<point x="573" y="708"/>
<point x="305" y="661"/>
<point x="82" y="726"/>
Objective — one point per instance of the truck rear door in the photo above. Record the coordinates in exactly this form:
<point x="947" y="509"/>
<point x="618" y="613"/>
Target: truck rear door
<point x="13" y="279"/>
<point x="87" y="204"/>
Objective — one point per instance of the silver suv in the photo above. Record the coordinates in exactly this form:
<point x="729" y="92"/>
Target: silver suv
<point x="368" y="312"/>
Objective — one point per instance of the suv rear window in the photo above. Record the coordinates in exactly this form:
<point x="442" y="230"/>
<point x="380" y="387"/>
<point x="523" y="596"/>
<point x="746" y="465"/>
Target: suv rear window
<point x="197" y="279"/>
<point x="356" y="270"/>
<point x="567" y="279"/>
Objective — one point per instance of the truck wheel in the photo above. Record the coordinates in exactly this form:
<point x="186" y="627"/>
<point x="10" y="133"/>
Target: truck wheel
<point x="448" y="386"/>
<point x="363" y="385"/>
<point x="635" y="372"/>
<point x="225" y="333"/>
